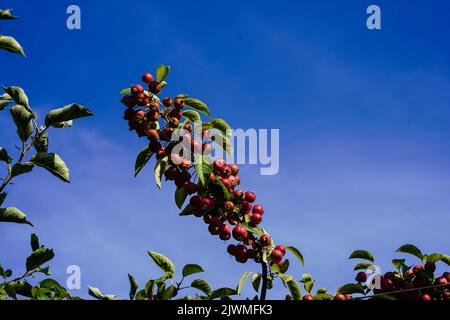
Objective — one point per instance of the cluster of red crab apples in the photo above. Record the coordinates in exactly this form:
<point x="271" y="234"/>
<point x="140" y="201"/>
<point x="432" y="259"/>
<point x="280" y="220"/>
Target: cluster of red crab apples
<point x="225" y="217"/>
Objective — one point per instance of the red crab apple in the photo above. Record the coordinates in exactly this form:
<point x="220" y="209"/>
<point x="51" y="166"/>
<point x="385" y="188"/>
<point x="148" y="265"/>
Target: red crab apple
<point x="276" y="255"/>
<point x="155" y="87"/>
<point x="430" y="266"/>
<point x="231" y="249"/>
<point x="136" y="89"/>
<point x="256" y="218"/>
<point x="257" y="208"/>
<point x="219" y="165"/>
<point x="281" y="248"/>
<point x="147" y="78"/>
<point x="425" y="297"/>
<point x="308" y="297"/>
<point x="229" y="206"/>
<point x="250" y="196"/>
<point x="417" y="268"/>
<point x="234" y="169"/>
<point x="167" y="102"/>
<point x="265" y="239"/>
<point x="440" y="281"/>
<point x="361" y="277"/>
<point x="195" y="201"/>
<point x="240" y="233"/>
<point x="339" y="296"/>
<point x="178" y="103"/>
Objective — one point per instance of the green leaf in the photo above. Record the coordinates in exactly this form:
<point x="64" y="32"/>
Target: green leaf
<point x="190" y="269"/>
<point x="13" y="215"/>
<point x="296" y="253"/>
<point x="22" y="118"/>
<point x="223" y="143"/>
<point x="19" y="96"/>
<point x="64" y="124"/>
<point x="41" y="143"/>
<point x="142" y="159"/>
<point x="242" y="281"/>
<point x="70" y="112"/>
<point x="285" y="266"/>
<point x="446" y="259"/>
<point x="256" y="281"/>
<point x="362" y="254"/>
<point x="34" y="242"/>
<point x="163" y="262"/>
<point x="182" y="96"/>
<point x="96" y="293"/>
<point x="321" y="291"/>
<point x="306" y="278"/>
<point x="6" y="15"/>
<point x="126" y="91"/>
<point x="160" y="167"/>
<point x="398" y="263"/>
<point x="133" y="286"/>
<point x="4" y="156"/>
<point x="2" y="197"/>
<point x="410" y="249"/>
<point x="351" y="288"/>
<point x="202" y="285"/>
<point x="258" y="231"/>
<point x="187" y="211"/>
<point x="39" y="257"/>
<point x="309" y="286"/>
<point x="52" y="163"/>
<point x="10" y="44"/>
<point x="4" y="104"/>
<point x="180" y="196"/>
<point x="197" y="105"/>
<point x="191" y="115"/>
<point x="362" y="266"/>
<point x="220" y="125"/>
<point x="162" y="72"/>
<point x="21" y="168"/>
<point x="293" y="286"/>
<point x="223" y="292"/>
<point x="203" y="167"/>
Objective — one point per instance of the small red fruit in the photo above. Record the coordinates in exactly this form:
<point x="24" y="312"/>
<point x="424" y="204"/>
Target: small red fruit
<point x="425" y="297"/>
<point x="195" y="201"/>
<point x="255" y="218"/>
<point x="147" y="78"/>
<point x="257" y="208"/>
<point x="178" y="103"/>
<point x="206" y="148"/>
<point x="136" y="89"/>
<point x="240" y="233"/>
<point x="430" y="266"/>
<point x="232" y="249"/>
<point x="361" y="277"/>
<point x="339" y="296"/>
<point x="219" y="165"/>
<point x="191" y="187"/>
<point x="281" y="248"/>
<point x="226" y="183"/>
<point x="440" y="281"/>
<point x="446" y="275"/>
<point x="229" y="206"/>
<point x="246" y="207"/>
<point x="234" y="169"/>
<point x="213" y="229"/>
<point x="308" y="297"/>
<point x="265" y="239"/>
<point x="417" y="268"/>
<point x="250" y="196"/>
<point x="167" y="102"/>
<point x="276" y="255"/>
<point x="155" y="87"/>
<point x="152" y="135"/>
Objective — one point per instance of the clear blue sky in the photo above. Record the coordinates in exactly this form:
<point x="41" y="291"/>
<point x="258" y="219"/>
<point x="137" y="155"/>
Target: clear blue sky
<point x="363" y="118"/>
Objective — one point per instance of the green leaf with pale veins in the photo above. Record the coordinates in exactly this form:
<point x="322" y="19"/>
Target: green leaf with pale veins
<point x="411" y="249"/>
<point x="180" y="196"/>
<point x="197" y="105"/>
<point x="162" y="72"/>
<point x="142" y="159"/>
<point x="18" y="95"/>
<point x="160" y="167"/>
<point x="39" y="257"/>
<point x="362" y="254"/>
<point x="10" y="44"/>
<point x="296" y="253"/>
<point x="202" y="285"/>
<point x="191" y="115"/>
<point x="163" y="262"/>
<point x="70" y="112"/>
<point x="52" y="163"/>
<point x="190" y="269"/>
<point x="6" y="15"/>
<point x="351" y="288"/>
<point x="242" y="281"/>
<point x="13" y="215"/>
<point x="96" y="293"/>
<point x="21" y="168"/>
<point x="133" y="286"/>
<point x="220" y="125"/>
<point x="4" y="156"/>
<point x="22" y="118"/>
<point x="203" y="167"/>
<point x="223" y="292"/>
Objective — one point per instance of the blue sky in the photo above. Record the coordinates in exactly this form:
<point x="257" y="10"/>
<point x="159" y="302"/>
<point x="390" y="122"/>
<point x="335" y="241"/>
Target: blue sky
<point x="363" y="118"/>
